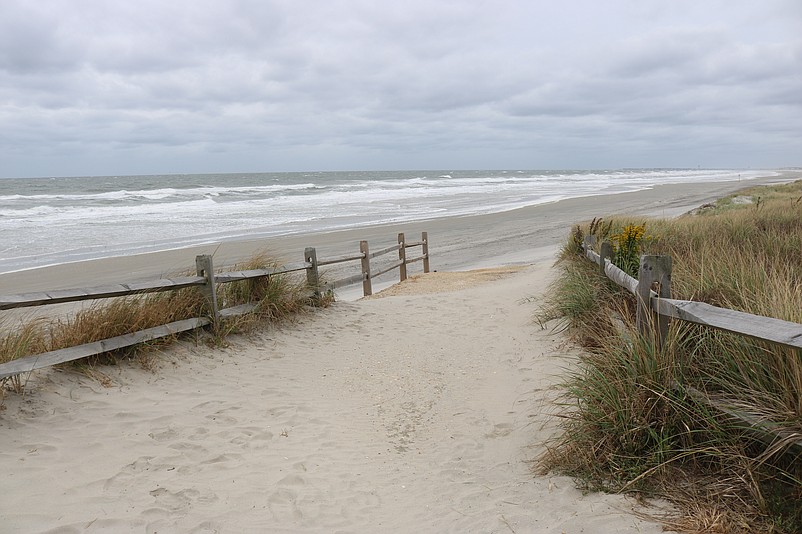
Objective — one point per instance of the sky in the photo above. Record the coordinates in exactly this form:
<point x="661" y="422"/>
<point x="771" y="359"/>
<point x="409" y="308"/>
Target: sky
<point x="121" y="87"/>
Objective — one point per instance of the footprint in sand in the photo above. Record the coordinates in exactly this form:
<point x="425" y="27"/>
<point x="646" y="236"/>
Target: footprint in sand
<point x="163" y="434"/>
<point x="181" y="501"/>
<point x="499" y="431"/>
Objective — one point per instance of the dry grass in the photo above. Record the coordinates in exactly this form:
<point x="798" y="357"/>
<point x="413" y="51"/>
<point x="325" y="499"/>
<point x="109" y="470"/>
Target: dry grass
<point x="629" y="428"/>
<point x="276" y="297"/>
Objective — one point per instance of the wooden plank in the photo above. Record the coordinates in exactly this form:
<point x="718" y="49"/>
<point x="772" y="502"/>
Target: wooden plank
<point x="24" y="300"/>
<point x="341" y="259"/>
<point x="236" y="276"/>
<point x="346" y="281"/>
<point x="235" y="311"/>
<point x="342" y="283"/>
<point x="605" y="255"/>
<point x="592" y="256"/>
<point x="612" y="272"/>
<point x="312" y="274"/>
<point x="367" y="287"/>
<point x="164" y="284"/>
<point x="621" y="278"/>
<point x="777" y="331"/>
<point x="39" y="361"/>
<point x="402" y="258"/>
<point x="410" y="244"/>
<point x="424" y="236"/>
<point x="414" y="260"/>
<point x="204" y="265"/>
<point x="387" y="270"/>
<point x="385" y="251"/>
<point x="654" y="276"/>
<point x="59" y="296"/>
<point x="292" y="267"/>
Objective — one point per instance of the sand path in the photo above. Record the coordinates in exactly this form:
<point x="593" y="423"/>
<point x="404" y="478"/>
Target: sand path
<point x="415" y="412"/>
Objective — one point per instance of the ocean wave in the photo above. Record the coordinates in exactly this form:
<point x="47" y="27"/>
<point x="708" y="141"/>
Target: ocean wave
<point x="133" y="216"/>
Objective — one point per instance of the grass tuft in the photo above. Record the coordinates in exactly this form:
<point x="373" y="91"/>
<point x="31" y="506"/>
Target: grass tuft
<point x="277" y="298"/>
<point x="633" y="420"/>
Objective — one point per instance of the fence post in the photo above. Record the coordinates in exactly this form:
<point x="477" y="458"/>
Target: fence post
<point x="367" y="289"/>
<point x="312" y="273"/>
<point x="402" y="257"/>
<point x="654" y="275"/>
<point x="589" y="241"/>
<point x="205" y="268"/>
<point x="424" y="237"/>
<point x="605" y="253"/>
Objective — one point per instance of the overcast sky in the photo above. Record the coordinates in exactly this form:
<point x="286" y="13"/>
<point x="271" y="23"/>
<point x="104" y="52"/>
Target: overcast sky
<point x="111" y="87"/>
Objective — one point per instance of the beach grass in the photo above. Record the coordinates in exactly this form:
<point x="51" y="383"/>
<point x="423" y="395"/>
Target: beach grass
<point x="276" y="298"/>
<point x="631" y="423"/>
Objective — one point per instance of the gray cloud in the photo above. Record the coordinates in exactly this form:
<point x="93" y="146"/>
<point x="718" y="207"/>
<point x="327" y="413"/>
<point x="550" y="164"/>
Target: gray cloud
<point x="150" y="87"/>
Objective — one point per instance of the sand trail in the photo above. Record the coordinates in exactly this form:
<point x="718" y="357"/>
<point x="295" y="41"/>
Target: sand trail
<point x="414" y="411"/>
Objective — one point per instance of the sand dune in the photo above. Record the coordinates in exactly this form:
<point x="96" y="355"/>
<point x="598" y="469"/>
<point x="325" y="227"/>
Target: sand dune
<point x="416" y="411"/>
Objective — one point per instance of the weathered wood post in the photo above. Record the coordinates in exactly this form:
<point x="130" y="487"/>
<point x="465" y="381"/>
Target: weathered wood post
<point x="424" y="237"/>
<point x="312" y="272"/>
<point x="654" y="275"/>
<point x="367" y="289"/>
<point x="402" y="257"/>
<point x="205" y="268"/>
<point x="605" y="253"/>
<point x="589" y="241"/>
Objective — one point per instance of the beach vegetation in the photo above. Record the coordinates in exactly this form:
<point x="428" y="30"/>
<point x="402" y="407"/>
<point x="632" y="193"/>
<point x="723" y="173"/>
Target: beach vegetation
<point x="658" y="420"/>
<point x="274" y="299"/>
<point x="627" y="246"/>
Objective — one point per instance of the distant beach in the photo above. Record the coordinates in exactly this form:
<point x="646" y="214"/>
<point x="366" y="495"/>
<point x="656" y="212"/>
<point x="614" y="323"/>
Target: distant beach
<point x="459" y="241"/>
<point x="46" y="221"/>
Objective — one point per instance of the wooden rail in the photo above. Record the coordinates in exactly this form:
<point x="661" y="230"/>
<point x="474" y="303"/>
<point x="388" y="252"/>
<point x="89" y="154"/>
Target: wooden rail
<point x="206" y="281"/>
<point x="368" y="273"/>
<point x="777" y="331"/>
<point x="656" y="309"/>
<point x="26" y="300"/>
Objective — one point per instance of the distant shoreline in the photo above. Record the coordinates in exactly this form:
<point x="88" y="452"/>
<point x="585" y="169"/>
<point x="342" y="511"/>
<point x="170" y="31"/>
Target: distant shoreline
<point x="67" y="220"/>
<point x="457" y="243"/>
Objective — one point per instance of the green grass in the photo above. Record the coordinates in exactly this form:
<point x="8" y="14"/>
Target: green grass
<point x="630" y="424"/>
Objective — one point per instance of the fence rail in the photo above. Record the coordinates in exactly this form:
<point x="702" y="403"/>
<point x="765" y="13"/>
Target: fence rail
<point x="206" y="281"/>
<point x="655" y="309"/>
<point x="777" y="331"/>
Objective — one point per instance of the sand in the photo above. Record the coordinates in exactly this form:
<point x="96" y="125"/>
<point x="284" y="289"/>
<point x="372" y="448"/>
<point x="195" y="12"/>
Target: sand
<point x="417" y="410"/>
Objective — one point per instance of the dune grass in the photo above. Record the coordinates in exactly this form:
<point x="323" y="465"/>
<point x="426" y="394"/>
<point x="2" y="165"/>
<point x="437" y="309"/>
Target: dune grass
<point x="277" y="298"/>
<point x="631" y="424"/>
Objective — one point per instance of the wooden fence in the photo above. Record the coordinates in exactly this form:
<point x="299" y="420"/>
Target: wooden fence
<point x="656" y="308"/>
<point x="206" y="280"/>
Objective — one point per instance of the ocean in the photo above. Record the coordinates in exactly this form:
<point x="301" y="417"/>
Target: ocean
<point x="46" y="221"/>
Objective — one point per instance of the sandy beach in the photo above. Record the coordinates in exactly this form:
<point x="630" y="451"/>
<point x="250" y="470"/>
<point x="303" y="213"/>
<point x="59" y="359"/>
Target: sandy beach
<point x="417" y="410"/>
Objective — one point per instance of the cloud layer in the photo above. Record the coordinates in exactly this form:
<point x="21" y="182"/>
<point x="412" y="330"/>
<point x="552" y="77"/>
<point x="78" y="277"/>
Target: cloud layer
<point x="113" y="87"/>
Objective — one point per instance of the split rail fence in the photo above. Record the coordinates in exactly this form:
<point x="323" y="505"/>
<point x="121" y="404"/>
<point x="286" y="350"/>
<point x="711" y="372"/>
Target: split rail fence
<point x="656" y="308"/>
<point x="206" y="280"/>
